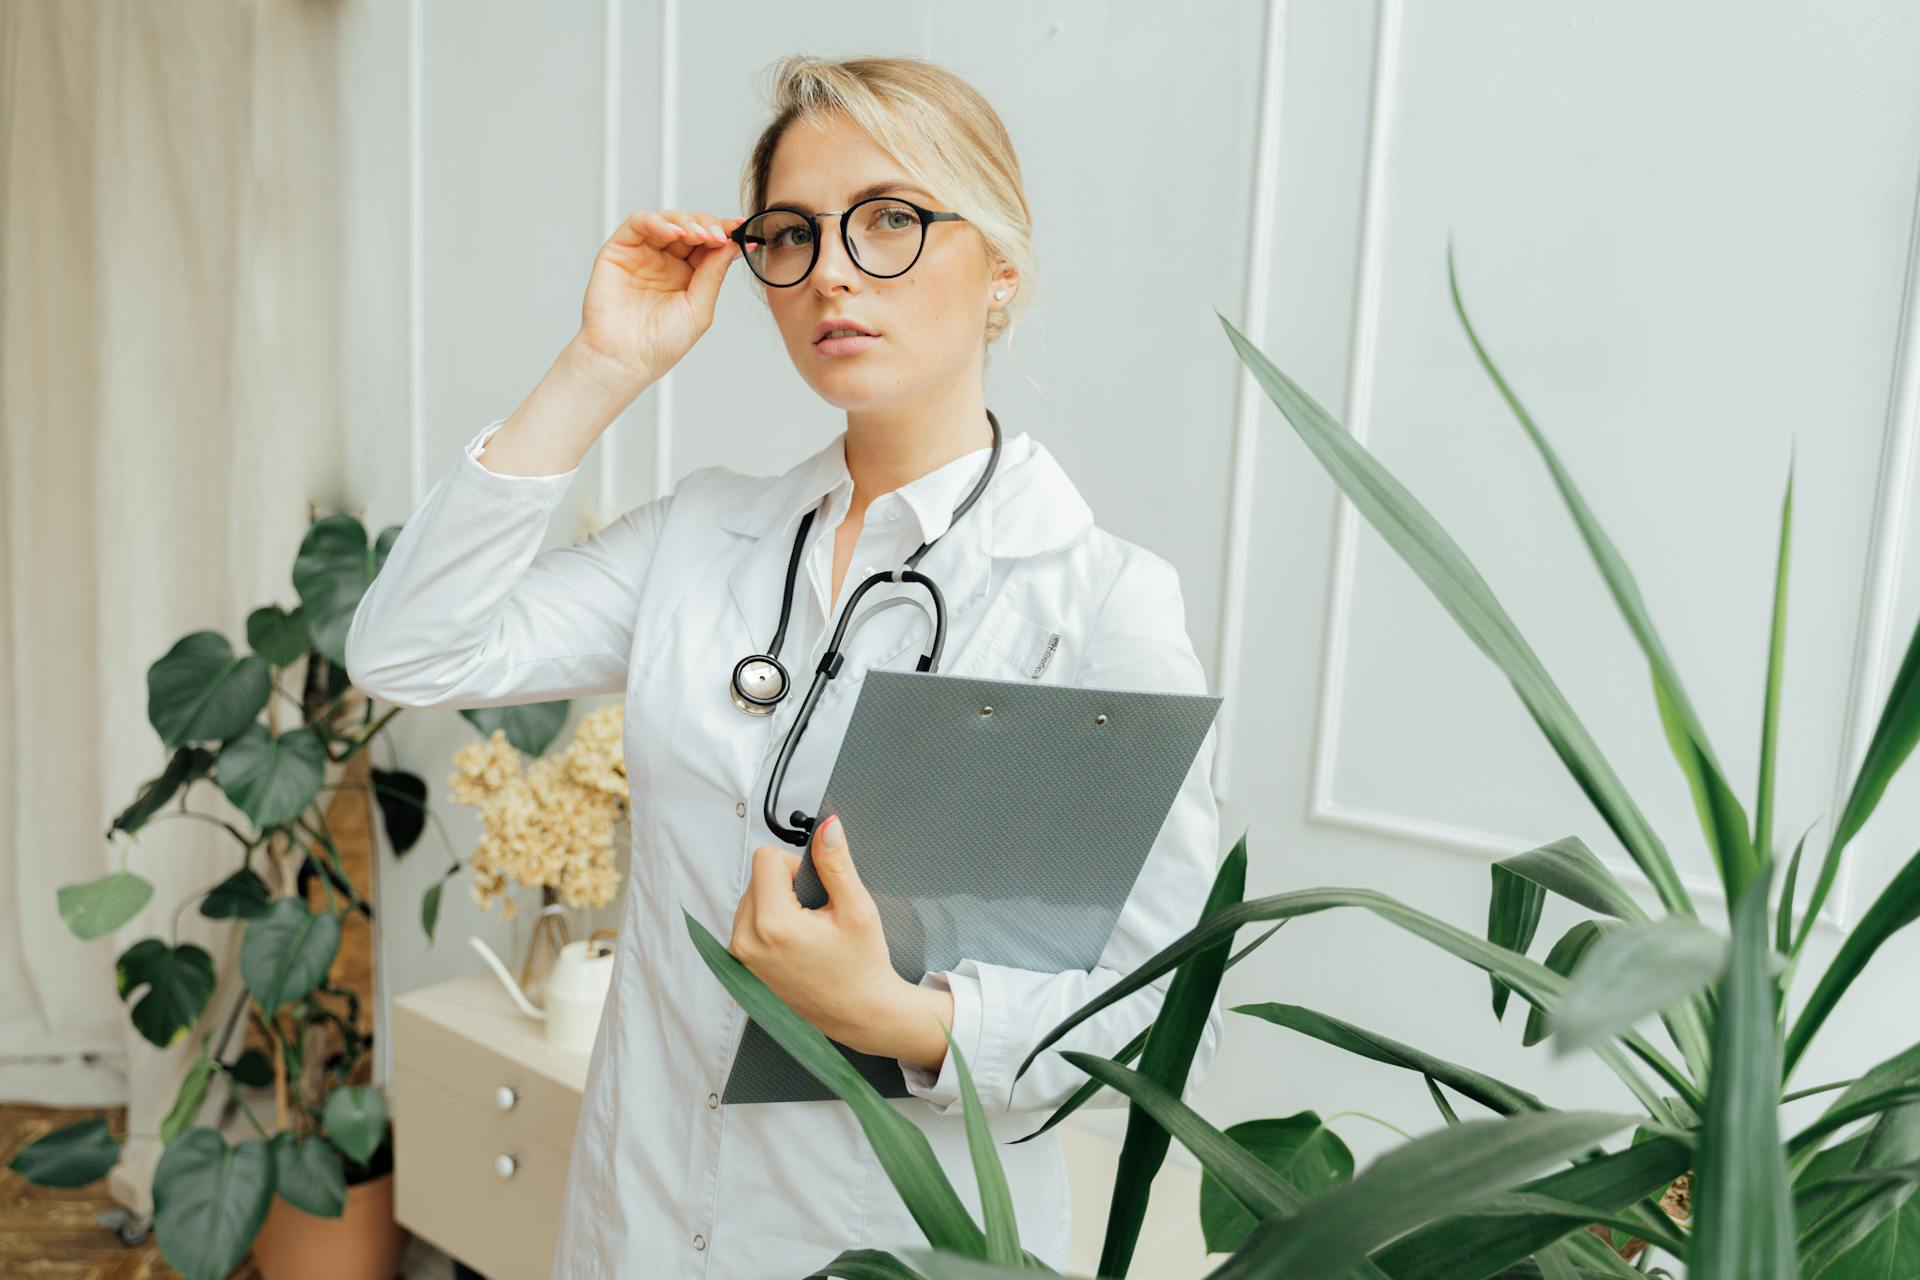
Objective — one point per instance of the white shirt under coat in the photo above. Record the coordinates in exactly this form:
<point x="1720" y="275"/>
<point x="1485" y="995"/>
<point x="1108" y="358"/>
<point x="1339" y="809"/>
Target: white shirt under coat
<point x="469" y="611"/>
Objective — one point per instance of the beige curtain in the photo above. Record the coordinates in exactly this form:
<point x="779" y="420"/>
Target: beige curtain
<point x="169" y="395"/>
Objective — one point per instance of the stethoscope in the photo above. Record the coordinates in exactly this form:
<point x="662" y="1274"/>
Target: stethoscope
<point x="760" y="683"/>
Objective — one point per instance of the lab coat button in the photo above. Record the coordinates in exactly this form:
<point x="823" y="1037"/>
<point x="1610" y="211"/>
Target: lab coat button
<point x="699" y="1242"/>
<point x="740" y="808"/>
<point x="713" y="1100"/>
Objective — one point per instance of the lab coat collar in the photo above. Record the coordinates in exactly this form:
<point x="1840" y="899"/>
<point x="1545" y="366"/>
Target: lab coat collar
<point x="1031" y="505"/>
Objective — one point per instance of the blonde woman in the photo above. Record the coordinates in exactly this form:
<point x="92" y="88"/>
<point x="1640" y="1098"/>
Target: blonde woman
<point x="888" y="235"/>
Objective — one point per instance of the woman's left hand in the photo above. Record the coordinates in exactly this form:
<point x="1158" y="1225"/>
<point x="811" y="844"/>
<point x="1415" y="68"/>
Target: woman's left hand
<point x="829" y="963"/>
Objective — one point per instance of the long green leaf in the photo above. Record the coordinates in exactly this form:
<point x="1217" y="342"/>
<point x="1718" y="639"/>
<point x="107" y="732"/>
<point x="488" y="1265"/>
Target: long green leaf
<point x="942" y="1265"/>
<point x="1438" y="1174"/>
<point x="1473" y="1246"/>
<point x="1770" y="706"/>
<point x="900" y="1145"/>
<point x="1536" y="983"/>
<point x="869" y="1264"/>
<point x="1563" y="959"/>
<point x="1894" y="737"/>
<point x="1897" y="907"/>
<point x="1493" y="1094"/>
<point x="1171" y="1042"/>
<point x="1632" y="972"/>
<point x="1783" y="924"/>
<point x="1262" y="1192"/>
<point x="1567" y="867"/>
<point x="1724" y="822"/>
<point x="1743" y="1204"/>
<point x="996" y="1200"/>
<point x="1432" y="554"/>
<point x="1513" y="915"/>
<point x="1128" y="1052"/>
<point x="1862" y="1232"/>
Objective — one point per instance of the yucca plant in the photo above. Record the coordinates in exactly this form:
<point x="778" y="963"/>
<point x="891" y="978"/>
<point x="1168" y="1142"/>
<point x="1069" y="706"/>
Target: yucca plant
<point x="1527" y="1190"/>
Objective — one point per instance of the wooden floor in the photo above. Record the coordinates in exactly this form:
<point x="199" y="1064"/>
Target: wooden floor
<point x="49" y="1234"/>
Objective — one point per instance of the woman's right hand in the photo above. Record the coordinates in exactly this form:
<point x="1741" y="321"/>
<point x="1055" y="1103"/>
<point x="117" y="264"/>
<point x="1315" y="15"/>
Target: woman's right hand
<point x="653" y="287"/>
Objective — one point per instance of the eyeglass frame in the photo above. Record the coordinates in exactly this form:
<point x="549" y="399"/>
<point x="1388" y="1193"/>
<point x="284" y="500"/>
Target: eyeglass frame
<point x="739" y="237"/>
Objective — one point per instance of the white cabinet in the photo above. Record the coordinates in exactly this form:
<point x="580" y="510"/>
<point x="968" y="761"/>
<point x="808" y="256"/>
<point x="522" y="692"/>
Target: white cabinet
<point x="484" y="1114"/>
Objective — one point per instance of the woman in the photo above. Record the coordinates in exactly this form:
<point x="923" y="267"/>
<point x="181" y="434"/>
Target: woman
<point x="664" y="603"/>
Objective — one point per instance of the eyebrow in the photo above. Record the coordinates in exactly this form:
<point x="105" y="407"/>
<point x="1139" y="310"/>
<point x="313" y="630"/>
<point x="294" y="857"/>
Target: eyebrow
<point x="866" y="192"/>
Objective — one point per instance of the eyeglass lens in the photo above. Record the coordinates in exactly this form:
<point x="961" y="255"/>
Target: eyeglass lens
<point x="884" y="236"/>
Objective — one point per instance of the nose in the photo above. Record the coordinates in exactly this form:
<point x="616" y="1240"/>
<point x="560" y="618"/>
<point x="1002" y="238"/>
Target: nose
<point x="834" y="267"/>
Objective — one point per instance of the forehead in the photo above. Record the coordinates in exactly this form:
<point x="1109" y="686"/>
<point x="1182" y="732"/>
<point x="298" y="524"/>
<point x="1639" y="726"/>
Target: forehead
<point x="819" y="162"/>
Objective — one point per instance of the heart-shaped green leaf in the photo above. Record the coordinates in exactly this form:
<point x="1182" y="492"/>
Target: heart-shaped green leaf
<point x="287" y="951"/>
<point x="71" y="1156"/>
<point x="308" y="1175"/>
<point x="252" y="1069"/>
<point x="178" y="982"/>
<point x="402" y="798"/>
<point x="242" y="895"/>
<point x="98" y="907"/>
<point x="1300" y="1148"/>
<point x="209" y="1200"/>
<point x="272" y="779"/>
<point x="202" y="691"/>
<point x="531" y="727"/>
<point x="333" y="570"/>
<point x="356" y="1119"/>
<point x="278" y="636"/>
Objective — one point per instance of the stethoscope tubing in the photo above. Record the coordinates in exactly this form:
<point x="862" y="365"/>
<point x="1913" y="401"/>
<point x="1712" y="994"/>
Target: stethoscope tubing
<point x="800" y="832"/>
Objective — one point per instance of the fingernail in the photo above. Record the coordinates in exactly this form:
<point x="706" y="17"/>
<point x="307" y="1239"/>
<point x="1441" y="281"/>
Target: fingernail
<point x="835" y="835"/>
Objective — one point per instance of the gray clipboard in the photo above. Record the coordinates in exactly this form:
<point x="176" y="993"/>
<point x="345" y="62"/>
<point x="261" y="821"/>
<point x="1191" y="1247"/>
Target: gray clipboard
<point x="1011" y="835"/>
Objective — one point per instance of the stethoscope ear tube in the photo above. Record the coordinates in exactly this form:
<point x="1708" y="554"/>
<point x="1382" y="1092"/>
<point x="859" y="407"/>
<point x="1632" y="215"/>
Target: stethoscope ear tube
<point x="760" y="683"/>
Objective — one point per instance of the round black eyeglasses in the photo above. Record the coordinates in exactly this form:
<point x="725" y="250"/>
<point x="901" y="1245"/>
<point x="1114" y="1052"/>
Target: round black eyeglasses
<point x="882" y="234"/>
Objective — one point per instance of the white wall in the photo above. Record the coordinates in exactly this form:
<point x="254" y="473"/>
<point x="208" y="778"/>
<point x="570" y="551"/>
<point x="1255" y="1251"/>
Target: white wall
<point x="1686" y="232"/>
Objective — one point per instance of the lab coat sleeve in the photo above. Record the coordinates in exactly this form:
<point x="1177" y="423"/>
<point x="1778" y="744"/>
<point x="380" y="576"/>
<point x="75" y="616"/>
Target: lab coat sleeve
<point x="469" y="611"/>
<point x="1138" y="641"/>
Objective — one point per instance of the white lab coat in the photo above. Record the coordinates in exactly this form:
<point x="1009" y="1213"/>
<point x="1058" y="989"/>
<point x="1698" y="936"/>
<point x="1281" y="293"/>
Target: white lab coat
<point x="468" y="611"/>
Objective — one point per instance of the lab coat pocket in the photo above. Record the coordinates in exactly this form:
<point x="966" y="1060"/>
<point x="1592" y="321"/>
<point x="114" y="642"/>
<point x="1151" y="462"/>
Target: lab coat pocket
<point x="1019" y="646"/>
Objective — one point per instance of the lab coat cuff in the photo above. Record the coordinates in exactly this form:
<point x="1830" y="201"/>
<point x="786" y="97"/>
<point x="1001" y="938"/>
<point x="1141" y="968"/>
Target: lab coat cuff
<point x="943" y="1090"/>
<point x="539" y="490"/>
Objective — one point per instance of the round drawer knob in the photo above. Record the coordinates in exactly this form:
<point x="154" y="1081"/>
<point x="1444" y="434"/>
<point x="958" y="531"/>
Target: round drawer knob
<point x="505" y="1096"/>
<point x="504" y="1164"/>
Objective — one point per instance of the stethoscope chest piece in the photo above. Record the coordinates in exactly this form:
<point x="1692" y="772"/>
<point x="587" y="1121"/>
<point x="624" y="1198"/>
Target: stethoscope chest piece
<point x="759" y="683"/>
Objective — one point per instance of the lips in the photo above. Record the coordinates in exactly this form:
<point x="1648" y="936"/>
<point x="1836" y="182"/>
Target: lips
<point x="826" y="327"/>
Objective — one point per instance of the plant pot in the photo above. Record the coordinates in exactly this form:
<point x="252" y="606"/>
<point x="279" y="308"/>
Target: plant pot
<point x="364" y="1243"/>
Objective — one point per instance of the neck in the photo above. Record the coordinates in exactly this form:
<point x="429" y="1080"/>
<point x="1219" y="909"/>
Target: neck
<point x="890" y="447"/>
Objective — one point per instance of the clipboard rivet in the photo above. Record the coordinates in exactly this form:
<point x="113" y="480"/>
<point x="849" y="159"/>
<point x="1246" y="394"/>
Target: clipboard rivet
<point x="986" y="711"/>
<point x="1101" y="718"/>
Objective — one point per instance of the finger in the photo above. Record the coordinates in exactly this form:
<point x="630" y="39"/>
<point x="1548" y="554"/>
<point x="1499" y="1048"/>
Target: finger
<point x="701" y="228"/>
<point x="833" y="861"/>
<point x="661" y="232"/>
<point x="770" y="886"/>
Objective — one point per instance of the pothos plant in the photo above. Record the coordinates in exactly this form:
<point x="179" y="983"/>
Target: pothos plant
<point x="219" y="715"/>
<point x="1525" y="1189"/>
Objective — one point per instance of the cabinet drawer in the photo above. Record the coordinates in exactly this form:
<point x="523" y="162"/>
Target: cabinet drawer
<point x="473" y="1071"/>
<point x="448" y="1188"/>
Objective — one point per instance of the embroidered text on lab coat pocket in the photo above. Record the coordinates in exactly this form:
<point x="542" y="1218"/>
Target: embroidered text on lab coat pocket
<point x="1030" y="648"/>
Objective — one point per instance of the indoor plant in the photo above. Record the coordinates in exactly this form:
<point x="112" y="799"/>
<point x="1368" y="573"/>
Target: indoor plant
<point x="1488" y="1196"/>
<point x="218" y="714"/>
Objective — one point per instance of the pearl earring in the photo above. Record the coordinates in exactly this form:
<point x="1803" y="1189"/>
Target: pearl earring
<point x="999" y="293"/>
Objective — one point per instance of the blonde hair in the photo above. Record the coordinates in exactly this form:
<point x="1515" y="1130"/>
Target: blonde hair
<point x="936" y="125"/>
